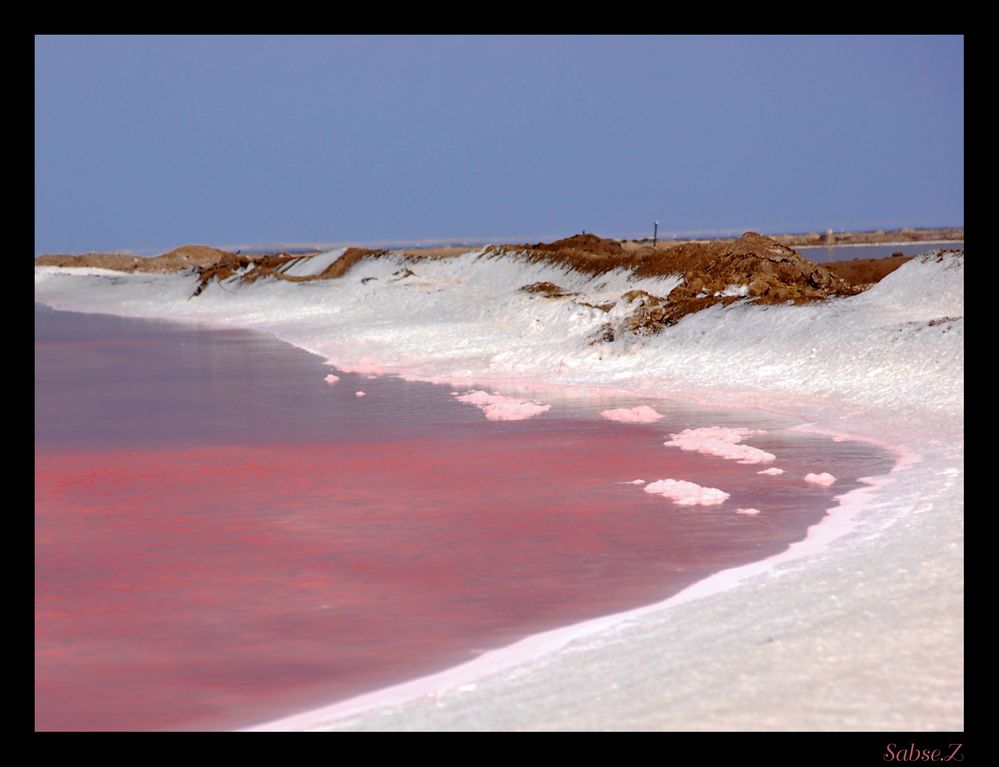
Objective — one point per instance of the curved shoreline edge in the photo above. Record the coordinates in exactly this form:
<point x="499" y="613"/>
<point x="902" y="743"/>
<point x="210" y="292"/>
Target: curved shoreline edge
<point x="836" y="523"/>
<point x="870" y="635"/>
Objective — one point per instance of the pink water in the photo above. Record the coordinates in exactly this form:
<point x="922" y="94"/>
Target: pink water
<point x="223" y="538"/>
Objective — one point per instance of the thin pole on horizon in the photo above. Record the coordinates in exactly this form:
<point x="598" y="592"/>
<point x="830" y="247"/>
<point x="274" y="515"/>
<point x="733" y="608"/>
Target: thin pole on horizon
<point x="655" y="234"/>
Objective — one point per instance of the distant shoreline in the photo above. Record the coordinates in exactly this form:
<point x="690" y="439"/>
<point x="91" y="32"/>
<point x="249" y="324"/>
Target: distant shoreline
<point x="903" y="236"/>
<point x="886" y="244"/>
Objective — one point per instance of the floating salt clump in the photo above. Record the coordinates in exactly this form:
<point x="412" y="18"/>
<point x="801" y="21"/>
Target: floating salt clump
<point x="685" y="493"/>
<point x="722" y="442"/>
<point x="825" y="479"/>
<point x="774" y="471"/>
<point x="640" y="414"/>
<point x="750" y="511"/>
<point x="496" y="407"/>
<point x="331" y="379"/>
<point x="359" y="394"/>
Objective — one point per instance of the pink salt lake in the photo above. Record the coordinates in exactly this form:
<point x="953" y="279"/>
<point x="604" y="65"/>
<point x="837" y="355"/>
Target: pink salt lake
<point x="224" y="538"/>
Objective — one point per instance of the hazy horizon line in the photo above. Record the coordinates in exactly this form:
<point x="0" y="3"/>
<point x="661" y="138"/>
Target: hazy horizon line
<point x="477" y="240"/>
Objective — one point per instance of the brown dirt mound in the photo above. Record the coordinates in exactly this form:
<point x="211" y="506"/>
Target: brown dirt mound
<point x="751" y="257"/>
<point x="773" y="272"/>
<point x="587" y="243"/>
<point x="584" y="253"/>
<point x="120" y="262"/>
<point x="185" y="256"/>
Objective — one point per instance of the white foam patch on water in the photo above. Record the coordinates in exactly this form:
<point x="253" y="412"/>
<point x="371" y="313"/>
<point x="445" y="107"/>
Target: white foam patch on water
<point x="640" y="414"/>
<point x="772" y="471"/>
<point x="496" y="407"/>
<point x="824" y="479"/>
<point x="360" y="394"/>
<point x="684" y="493"/>
<point x="331" y="379"/>
<point x="722" y="442"/>
<point x="866" y="614"/>
<point x="751" y="512"/>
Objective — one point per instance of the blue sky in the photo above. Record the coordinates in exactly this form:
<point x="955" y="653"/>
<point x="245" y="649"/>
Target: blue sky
<point x="153" y="142"/>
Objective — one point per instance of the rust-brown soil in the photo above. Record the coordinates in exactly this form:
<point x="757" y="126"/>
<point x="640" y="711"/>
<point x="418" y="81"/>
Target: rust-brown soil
<point x="184" y="257"/>
<point x="773" y="273"/>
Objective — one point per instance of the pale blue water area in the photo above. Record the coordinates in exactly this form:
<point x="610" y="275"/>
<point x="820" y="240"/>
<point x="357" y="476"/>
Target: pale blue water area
<point x="822" y="254"/>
